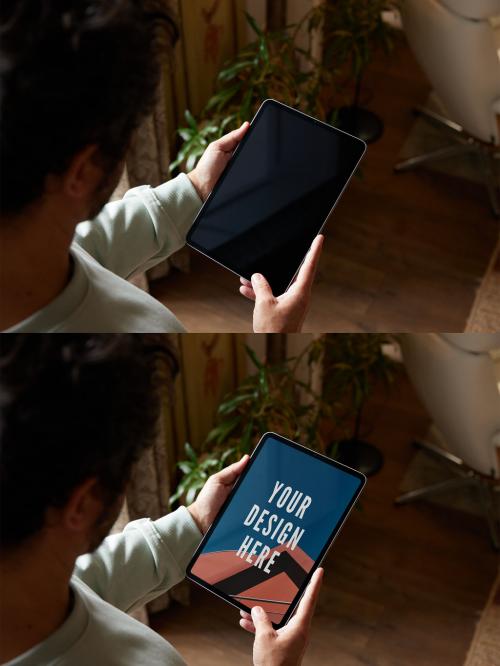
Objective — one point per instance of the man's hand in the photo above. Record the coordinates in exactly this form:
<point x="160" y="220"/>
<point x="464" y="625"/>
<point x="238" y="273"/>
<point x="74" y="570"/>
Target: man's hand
<point x="285" y="646"/>
<point x="214" y="161"/>
<point x="286" y="313"/>
<point x="213" y="494"/>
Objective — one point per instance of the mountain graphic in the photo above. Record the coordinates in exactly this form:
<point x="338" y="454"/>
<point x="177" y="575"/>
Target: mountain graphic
<point x="273" y="591"/>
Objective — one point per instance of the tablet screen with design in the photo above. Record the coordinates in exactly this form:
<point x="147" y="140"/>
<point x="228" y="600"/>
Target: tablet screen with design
<point x="275" y="528"/>
<point x="275" y="195"/>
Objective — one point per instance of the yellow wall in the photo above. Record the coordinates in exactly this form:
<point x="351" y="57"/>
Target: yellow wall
<point x="212" y="32"/>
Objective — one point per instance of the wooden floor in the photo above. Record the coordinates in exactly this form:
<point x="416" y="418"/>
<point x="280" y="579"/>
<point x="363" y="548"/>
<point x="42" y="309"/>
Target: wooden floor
<point x="404" y="252"/>
<point x="403" y="586"/>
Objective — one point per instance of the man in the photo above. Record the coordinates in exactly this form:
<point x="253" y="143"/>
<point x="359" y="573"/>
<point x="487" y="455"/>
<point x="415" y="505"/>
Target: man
<point x="77" y="79"/>
<point x="76" y="412"/>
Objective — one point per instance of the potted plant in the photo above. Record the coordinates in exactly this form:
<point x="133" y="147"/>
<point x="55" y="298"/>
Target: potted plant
<point x="353" y="366"/>
<point x="352" y="32"/>
<point x="274" y="65"/>
<point x="275" y="398"/>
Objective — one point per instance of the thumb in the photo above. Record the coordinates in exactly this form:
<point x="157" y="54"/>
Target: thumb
<point x="262" y="623"/>
<point x="262" y="288"/>
<point x="229" y="474"/>
<point x="228" y="142"/>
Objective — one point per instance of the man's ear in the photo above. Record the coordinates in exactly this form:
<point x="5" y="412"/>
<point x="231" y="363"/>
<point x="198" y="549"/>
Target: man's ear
<point x="82" y="508"/>
<point x="83" y="174"/>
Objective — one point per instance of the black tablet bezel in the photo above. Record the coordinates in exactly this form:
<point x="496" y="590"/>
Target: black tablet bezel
<point x="231" y="163"/>
<point x="325" y="549"/>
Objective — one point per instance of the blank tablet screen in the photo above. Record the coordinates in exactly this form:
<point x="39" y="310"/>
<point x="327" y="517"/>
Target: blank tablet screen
<point x="275" y="195"/>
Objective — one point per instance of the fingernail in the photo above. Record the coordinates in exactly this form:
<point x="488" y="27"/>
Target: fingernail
<point x="257" y="611"/>
<point x="257" y="276"/>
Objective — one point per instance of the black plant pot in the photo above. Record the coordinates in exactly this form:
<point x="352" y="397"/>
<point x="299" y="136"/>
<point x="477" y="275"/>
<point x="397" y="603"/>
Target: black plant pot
<point x="364" y="124"/>
<point x="360" y="455"/>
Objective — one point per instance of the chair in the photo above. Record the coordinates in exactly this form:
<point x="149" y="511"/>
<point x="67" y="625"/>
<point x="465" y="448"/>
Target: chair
<point x="454" y="376"/>
<point x="457" y="43"/>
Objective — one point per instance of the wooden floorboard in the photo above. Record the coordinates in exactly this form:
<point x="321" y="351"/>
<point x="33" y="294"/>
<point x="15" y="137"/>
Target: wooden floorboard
<point x="403" y="586"/>
<point x="404" y="252"/>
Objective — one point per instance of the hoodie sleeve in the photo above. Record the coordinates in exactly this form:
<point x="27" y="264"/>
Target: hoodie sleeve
<point x="145" y="560"/>
<point x="145" y="227"/>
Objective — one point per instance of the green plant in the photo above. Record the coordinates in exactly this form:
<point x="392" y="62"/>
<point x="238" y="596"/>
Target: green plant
<point x="275" y="66"/>
<point x="353" y="366"/>
<point x="197" y="137"/>
<point x="352" y="32"/>
<point x="274" y="398"/>
<point x="267" y="400"/>
<point x="268" y="67"/>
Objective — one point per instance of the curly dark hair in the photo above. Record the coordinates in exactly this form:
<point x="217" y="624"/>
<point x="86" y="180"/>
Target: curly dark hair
<point x="73" y="407"/>
<point x="73" y="73"/>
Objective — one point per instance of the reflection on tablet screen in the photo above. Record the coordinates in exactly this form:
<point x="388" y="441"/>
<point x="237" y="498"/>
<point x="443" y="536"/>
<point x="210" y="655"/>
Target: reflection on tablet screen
<point x="274" y="198"/>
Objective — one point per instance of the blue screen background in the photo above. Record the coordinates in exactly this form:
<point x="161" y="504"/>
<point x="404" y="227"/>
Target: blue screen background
<point x="331" y="490"/>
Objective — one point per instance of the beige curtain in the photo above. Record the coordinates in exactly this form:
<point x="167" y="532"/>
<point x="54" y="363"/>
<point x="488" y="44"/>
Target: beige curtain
<point x="148" y="157"/>
<point x="210" y="33"/>
<point x="211" y="365"/>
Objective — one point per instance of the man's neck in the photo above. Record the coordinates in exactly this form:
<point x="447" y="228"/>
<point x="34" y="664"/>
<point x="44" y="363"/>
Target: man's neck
<point x="35" y="598"/>
<point x="35" y="264"/>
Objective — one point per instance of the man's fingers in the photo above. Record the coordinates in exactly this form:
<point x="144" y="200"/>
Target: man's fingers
<point x="247" y="625"/>
<point x="248" y="292"/>
<point x="307" y="604"/>
<point x="229" y="474"/>
<point x="261" y="288"/>
<point x="246" y="289"/>
<point x="229" y="142"/>
<point x="308" y="269"/>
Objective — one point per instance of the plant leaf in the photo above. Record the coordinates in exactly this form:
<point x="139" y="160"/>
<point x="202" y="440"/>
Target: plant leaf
<point x="253" y="357"/>
<point x="191" y="121"/>
<point x="185" y="466"/>
<point x="253" y="24"/>
<point x="190" y="452"/>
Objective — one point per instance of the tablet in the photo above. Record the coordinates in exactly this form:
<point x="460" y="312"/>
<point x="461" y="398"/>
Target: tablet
<point x="275" y="195"/>
<point x="275" y="527"/>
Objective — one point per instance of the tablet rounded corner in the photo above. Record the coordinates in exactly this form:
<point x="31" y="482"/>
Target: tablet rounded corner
<point x="269" y="101"/>
<point x="363" y="479"/>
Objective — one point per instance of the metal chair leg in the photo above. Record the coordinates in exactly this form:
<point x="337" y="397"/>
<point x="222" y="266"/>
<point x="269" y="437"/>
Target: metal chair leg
<point x="439" y="120"/>
<point x="441" y="454"/>
<point x="464" y="476"/>
<point x="464" y="143"/>
<point x="439" y="154"/>
<point x="439" y="487"/>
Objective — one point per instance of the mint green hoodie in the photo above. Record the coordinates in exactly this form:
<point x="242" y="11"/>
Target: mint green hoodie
<point x="126" y="571"/>
<point x="127" y="237"/>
